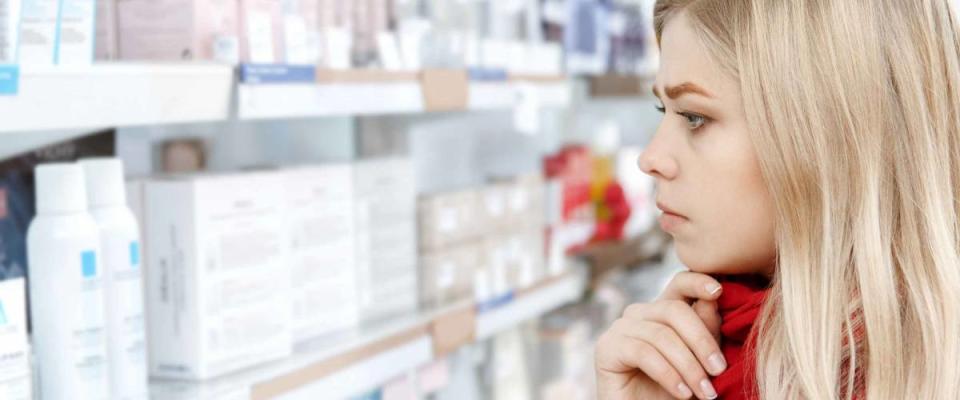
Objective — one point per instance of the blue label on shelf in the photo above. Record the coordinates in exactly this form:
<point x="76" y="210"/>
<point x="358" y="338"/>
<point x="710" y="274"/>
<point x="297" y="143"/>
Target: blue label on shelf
<point x="495" y="303"/>
<point x="9" y="80"/>
<point x="277" y="73"/>
<point x="487" y="74"/>
<point x="134" y="254"/>
<point x="89" y="262"/>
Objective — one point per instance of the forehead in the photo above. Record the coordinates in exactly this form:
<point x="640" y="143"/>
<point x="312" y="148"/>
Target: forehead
<point x="684" y="58"/>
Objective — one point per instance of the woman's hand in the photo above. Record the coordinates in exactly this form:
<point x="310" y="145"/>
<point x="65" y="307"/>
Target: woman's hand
<point x="666" y="349"/>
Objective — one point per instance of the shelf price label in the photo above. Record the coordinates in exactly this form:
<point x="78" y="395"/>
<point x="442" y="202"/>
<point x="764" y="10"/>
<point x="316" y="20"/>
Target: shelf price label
<point x="9" y="79"/>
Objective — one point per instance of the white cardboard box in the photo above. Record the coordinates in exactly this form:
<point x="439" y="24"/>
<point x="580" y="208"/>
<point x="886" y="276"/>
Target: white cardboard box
<point x="319" y="209"/>
<point x="15" y="370"/>
<point x="386" y="237"/>
<point x="218" y="274"/>
<point x="448" y="219"/>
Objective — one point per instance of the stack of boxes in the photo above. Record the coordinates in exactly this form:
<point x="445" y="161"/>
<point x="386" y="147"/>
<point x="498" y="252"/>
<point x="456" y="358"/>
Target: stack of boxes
<point x="386" y="237"/>
<point x="487" y="241"/>
<point x="451" y="229"/>
<point x="320" y="214"/>
<point x="218" y="276"/>
<point x="243" y="267"/>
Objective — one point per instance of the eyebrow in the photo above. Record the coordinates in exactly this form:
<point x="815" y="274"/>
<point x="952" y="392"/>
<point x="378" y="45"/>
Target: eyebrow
<point x="684" y="88"/>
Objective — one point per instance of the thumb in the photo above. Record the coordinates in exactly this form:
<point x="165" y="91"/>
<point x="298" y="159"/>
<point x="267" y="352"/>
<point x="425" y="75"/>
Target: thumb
<point x="708" y="313"/>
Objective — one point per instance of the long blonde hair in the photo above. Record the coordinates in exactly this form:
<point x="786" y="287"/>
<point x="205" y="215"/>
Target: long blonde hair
<point x="854" y="109"/>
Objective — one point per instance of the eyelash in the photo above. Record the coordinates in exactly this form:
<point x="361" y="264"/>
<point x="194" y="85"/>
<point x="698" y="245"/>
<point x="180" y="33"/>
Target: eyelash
<point x="689" y="116"/>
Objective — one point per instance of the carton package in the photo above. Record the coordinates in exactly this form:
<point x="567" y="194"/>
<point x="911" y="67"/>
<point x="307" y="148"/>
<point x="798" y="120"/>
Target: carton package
<point x="386" y="232"/>
<point x="217" y="282"/>
<point x="169" y="30"/>
<point x="76" y="36"/>
<point x="448" y="219"/>
<point x="261" y="31"/>
<point x="9" y="31"/>
<point x="105" y="46"/>
<point x="38" y="32"/>
<point x="319" y="208"/>
<point x="446" y="276"/>
<point x="301" y="31"/>
<point x="15" y="372"/>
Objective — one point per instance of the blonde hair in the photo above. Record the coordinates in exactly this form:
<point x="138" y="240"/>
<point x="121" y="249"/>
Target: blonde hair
<point x="854" y="109"/>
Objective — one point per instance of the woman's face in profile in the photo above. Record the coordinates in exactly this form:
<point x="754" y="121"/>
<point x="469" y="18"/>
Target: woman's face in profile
<point x="717" y="206"/>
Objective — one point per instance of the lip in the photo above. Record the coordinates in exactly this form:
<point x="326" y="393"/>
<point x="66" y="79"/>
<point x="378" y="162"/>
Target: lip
<point x="670" y="219"/>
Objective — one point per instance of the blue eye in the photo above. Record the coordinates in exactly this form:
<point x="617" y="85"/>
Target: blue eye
<point x="694" y="121"/>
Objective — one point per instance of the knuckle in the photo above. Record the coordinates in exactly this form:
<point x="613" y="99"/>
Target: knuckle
<point x="706" y="345"/>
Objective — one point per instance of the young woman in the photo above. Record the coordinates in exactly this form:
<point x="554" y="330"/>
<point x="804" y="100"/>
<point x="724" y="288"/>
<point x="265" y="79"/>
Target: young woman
<point x="808" y="167"/>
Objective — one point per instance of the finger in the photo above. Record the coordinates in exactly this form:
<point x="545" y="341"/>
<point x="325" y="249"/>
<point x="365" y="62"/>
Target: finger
<point x="688" y="325"/>
<point x="688" y="285"/>
<point x="620" y="356"/>
<point x="708" y="313"/>
<point x="658" y="369"/>
<point x="672" y="347"/>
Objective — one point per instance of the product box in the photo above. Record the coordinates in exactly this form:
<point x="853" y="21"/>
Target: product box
<point x="515" y="203"/>
<point x="9" y="31"/>
<point x="319" y="209"/>
<point x="447" y="219"/>
<point x="385" y="196"/>
<point x="515" y="259"/>
<point x="38" y="23"/>
<point x="446" y="276"/>
<point x="105" y="43"/>
<point x="335" y="19"/>
<point x="77" y="32"/>
<point x="15" y="372"/>
<point x="218" y="280"/>
<point x="301" y="31"/>
<point x="261" y="31"/>
<point x="169" y="30"/>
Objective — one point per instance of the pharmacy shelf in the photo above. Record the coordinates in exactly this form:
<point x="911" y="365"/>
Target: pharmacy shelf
<point x="105" y="95"/>
<point x="359" y="361"/>
<point x="305" y="100"/>
<point x="302" y="100"/>
<point x="530" y="304"/>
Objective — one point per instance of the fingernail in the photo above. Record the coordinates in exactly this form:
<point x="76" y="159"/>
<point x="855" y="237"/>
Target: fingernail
<point x="717" y="363"/>
<point x="713" y="288"/>
<point x="685" y="391"/>
<point x="708" y="389"/>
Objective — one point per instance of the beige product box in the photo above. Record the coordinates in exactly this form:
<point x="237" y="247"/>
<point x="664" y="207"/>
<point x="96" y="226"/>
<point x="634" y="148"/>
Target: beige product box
<point x="493" y="206"/>
<point x="386" y="232"/>
<point x="105" y="45"/>
<point x="526" y="201"/>
<point x="447" y="219"/>
<point x="261" y="31"/>
<point x="319" y="208"/>
<point x="218" y="280"/>
<point x="446" y="276"/>
<point x="515" y="259"/>
<point x="169" y="30"/>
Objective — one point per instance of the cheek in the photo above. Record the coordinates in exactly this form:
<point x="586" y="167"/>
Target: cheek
<point x="735" y="229"/>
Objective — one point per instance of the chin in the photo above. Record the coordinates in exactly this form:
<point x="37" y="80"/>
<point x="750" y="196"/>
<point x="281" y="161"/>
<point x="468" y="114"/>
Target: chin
<point x="703" y="262"/>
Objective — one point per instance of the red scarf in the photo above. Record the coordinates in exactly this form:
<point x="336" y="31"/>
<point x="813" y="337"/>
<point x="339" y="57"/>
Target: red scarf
<point x="739" y="307"/>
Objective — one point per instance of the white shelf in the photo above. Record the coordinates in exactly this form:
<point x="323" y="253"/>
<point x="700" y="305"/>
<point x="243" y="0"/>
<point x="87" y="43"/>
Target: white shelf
<point x="104" y="95"/>
<point x="299" y="100"/>
<point x="530" y="305"/>
<point x="357" y="362"/>
<point x="273" y="101"/>
<point x="509" y="94"/>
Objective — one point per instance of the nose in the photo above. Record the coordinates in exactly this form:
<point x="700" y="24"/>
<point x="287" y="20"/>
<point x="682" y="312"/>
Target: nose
<point x="657" y="160"/>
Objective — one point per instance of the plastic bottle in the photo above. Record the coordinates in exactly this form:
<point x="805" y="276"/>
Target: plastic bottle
<point x="66" y="294"/>
<point x="122" y="278"/>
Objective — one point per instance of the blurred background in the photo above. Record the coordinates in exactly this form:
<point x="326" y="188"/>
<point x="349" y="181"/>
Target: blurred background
<point x="445" y="196"/>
